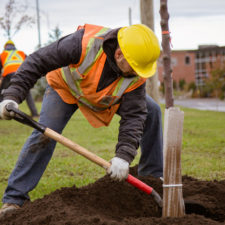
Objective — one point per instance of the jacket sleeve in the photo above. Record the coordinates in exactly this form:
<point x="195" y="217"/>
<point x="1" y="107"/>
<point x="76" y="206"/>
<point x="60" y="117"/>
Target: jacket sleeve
<point x="133" y="112"/>
<point x="63" y="52"/>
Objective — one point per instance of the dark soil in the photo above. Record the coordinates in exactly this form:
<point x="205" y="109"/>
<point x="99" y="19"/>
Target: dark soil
<point x="107" y="202"/>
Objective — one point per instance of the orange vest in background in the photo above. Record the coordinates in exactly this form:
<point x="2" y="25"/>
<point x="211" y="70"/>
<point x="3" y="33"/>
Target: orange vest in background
<point x="78" y="83"/>
<point x="11" y="61"/>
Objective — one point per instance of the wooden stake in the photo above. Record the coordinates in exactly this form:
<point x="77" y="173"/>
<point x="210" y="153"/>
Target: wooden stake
<point x="173" y="203"/>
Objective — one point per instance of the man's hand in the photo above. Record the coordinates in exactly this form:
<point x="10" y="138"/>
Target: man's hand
<point x="4" y="114"/>
<point x="119" y="169"/>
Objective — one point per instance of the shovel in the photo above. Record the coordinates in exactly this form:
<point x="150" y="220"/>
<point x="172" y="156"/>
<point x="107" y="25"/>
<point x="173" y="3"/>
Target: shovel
<point x="25" y="119"/>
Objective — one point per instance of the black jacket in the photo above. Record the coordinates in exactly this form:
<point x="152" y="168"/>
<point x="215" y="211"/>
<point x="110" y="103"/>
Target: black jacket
<point x="67" y="50"/>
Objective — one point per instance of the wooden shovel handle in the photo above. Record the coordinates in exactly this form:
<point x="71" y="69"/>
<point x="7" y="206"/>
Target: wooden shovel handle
<point x="94" y="158"/>
<point x="76" y="148"/>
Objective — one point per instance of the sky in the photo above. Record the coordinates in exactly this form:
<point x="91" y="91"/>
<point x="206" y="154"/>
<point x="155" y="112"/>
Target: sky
<point x="192" y="23"/>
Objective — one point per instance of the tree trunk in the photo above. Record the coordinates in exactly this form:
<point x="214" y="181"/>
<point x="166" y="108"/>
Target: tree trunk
<point x="166" y="53"/>
<point x="173" y="203"/>
<point x="147" y="18"/>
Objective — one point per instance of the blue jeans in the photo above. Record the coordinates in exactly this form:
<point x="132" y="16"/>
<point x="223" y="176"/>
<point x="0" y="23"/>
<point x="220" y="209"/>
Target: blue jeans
<point x="38" y="149"/>
<point x="151" y="160"/>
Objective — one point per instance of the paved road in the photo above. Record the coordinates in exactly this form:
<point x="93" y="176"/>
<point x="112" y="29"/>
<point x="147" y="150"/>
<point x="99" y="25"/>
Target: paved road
<point x="201" y="104"/>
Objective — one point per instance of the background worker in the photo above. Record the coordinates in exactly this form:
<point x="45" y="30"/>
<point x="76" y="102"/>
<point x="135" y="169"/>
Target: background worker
<point x="101" y="71"/>
<point x="10" y="61"/>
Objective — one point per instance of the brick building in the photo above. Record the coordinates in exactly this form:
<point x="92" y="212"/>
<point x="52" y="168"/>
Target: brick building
<point x="194" y="65"/>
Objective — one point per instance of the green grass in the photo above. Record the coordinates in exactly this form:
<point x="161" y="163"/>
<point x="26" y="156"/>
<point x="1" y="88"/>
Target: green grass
<point x="203" y="150"/>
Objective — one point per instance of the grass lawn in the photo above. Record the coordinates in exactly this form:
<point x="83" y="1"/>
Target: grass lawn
<point x="203" y="150"/>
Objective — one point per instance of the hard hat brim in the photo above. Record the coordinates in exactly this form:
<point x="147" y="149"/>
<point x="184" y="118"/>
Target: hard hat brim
<point x="147" y="72"/>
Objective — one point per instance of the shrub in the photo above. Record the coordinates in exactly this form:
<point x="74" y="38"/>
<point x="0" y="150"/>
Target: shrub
<point x="182" y="83"/>
<point x="215" y="84"/>
<point x="39" y="89"/>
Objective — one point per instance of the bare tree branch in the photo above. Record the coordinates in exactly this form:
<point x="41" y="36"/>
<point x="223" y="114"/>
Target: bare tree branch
<point x="15" y="18"/>
<point x="23" y="20"/>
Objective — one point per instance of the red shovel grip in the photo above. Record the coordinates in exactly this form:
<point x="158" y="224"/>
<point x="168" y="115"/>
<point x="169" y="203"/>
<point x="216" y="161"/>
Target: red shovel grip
<point x="139" y="184"/>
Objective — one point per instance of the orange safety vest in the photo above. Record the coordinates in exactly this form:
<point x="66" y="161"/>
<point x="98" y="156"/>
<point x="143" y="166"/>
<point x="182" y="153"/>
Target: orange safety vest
<point x="81" y="80"/>
<point x="11" y="61"/>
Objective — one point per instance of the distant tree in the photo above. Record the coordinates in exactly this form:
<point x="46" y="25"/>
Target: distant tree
<point x="147" y="18"/>
<point x="182" y="83"/>
<point x="54" y="35"/>
<point x="215" y="84"/>
<point x="14" y="18"/>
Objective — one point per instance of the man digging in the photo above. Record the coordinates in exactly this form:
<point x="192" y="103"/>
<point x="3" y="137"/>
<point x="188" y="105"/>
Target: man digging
<point x="101" y="71"/>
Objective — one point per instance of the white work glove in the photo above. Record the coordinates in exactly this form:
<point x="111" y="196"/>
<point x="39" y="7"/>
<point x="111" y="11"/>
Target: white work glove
<point x="4" y="114"/>
<point x="119" y="169"/>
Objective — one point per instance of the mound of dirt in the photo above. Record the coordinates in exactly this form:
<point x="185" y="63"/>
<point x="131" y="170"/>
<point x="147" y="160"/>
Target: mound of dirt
<point x="107" y="202"/>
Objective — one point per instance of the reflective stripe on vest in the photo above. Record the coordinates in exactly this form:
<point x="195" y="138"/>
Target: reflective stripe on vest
<point x="72" y="76"/>
<point x="93" y="54"/>
<point x="122" y="86"/>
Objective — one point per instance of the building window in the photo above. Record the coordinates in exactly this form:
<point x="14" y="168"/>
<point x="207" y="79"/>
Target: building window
<point x="210" y="65"/>
<point x="173" y="61"/>
<point x="187" y="60"/>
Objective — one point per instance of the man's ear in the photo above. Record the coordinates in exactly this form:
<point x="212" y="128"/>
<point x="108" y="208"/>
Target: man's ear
<point x="118" y="54"/>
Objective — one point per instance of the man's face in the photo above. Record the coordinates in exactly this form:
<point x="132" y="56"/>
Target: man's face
<point x="123" y="64"/>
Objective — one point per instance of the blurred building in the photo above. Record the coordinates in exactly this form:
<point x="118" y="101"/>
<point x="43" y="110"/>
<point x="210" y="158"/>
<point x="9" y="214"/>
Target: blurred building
<point x="194" y="65"/>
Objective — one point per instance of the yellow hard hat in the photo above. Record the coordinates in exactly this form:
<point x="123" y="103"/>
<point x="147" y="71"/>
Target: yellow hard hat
<point x="140" y="48"/>
<point x="9" y="42"/>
